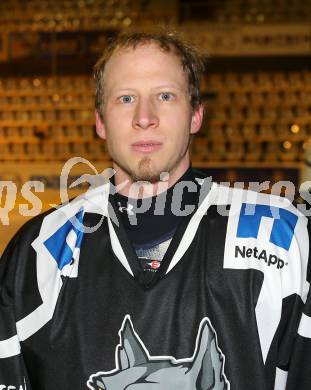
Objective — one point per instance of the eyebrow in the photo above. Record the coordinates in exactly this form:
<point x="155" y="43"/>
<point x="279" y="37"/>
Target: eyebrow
<point x="124" y="90"/>
<point x="169" y="86"/>
<point x="160" y="87"/>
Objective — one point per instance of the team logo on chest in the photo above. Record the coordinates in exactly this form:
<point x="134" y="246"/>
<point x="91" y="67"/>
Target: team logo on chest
<point x="136" y="369"/>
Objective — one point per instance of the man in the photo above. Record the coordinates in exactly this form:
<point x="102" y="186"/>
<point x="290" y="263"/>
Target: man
<point x="157" y="279"/>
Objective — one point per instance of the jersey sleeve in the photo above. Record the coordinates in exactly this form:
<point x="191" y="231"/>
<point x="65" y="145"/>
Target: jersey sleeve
<point x="13" y="373"/>
<point x="299" y="373"/>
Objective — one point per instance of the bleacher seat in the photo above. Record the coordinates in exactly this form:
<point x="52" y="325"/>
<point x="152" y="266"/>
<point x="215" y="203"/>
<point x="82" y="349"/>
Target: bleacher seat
<point x="263" y="107"/>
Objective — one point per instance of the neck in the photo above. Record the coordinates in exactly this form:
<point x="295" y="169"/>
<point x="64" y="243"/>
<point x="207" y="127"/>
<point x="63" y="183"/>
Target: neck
<point x="132" y="189"/>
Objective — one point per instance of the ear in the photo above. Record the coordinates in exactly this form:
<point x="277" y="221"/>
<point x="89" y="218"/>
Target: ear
<point x="100" y="127"/>
<point x="131" y="351"/>
<point x="208" y="363"/>
<point x="196" y="120"/>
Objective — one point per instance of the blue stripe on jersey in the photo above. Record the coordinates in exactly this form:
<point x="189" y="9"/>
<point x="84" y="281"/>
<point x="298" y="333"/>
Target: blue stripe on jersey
<point x="283" y="225"/>
<point x="57" y="244"/>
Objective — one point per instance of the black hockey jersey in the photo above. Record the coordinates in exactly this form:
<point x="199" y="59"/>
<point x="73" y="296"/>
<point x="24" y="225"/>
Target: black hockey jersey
<point x="222" y="313"/>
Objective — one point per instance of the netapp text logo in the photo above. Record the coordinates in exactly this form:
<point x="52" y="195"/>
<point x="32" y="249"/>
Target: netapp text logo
<point x="269" y="259"/>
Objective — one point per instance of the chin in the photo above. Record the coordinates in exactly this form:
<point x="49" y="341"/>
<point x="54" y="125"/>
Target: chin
<point x="146" y="171"/>
<point x="150" y="177"/>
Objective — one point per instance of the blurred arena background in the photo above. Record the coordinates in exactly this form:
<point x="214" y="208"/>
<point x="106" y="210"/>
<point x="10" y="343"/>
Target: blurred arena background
<point x="257" y="89"/>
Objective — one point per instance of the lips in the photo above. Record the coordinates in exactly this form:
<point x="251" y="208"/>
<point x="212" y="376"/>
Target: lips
<point x="147" y="146"/>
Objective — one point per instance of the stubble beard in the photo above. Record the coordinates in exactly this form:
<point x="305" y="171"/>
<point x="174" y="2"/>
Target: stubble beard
<point x="144" y="171"/>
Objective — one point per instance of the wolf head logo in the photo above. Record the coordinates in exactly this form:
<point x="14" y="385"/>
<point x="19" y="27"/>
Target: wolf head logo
<point x="137" y="370"/>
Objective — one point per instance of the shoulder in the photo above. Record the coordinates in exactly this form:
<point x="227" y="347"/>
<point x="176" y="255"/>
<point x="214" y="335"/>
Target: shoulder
<point x="253" y="212"/>
<point x="253" y="202"/>
<point x="265" y="232"/>
<point x="60" y="220"/>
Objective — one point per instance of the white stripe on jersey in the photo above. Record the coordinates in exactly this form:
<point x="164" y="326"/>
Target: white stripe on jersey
<point x="280" y="379"/>
<point x="305" y="326"/>
<point x="9" y="347"/>
<point x="192" y="227"/>
<point x="117" y="248"/>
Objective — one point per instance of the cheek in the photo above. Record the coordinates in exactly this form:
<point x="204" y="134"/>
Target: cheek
<point x="116" y="128"/>
<point x="117" y="141"/>
<point x="179" y="117"/>
<point x="117" y="117"/>
<point x="179" y="128"/>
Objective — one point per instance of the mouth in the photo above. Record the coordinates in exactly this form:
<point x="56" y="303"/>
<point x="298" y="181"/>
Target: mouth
<point x="147" y="146"/>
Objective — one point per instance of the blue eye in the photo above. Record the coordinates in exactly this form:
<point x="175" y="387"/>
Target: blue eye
<point x="166" y="96"/>
<point x="127" y="99"/>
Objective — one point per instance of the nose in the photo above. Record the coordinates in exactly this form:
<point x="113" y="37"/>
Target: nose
<point x="145" y="115"/>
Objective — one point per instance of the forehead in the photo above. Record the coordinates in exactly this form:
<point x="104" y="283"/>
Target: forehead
<point x="146" y="61"/>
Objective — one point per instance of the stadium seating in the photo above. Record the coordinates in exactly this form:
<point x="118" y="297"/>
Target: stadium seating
<point x="69" y="15"/>
<point x="258" y="109"/>
<point x="250" y="118"/>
